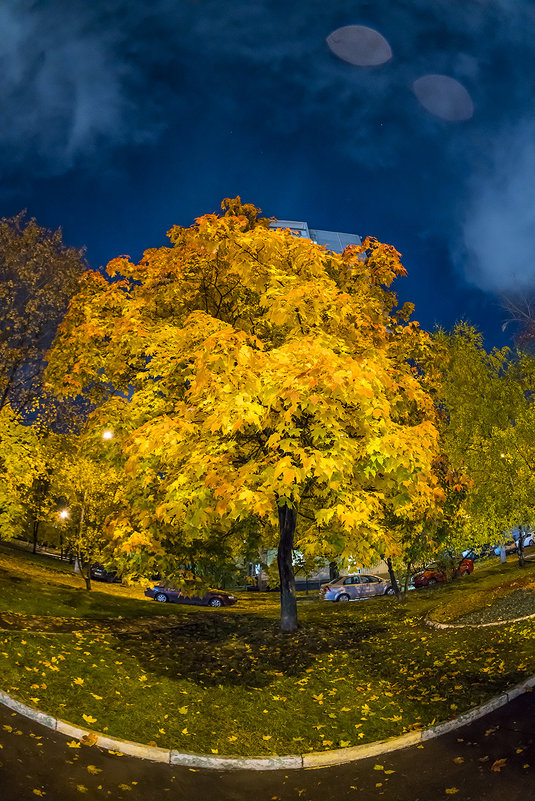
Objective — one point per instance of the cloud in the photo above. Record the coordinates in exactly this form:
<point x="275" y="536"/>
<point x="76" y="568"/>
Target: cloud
<point x="65" y="93"/>
<point x="498" y="252"/>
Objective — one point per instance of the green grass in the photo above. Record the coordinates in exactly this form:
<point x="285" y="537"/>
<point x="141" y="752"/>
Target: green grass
<point x="39" y="585"/>
<point x="226" y="681"/>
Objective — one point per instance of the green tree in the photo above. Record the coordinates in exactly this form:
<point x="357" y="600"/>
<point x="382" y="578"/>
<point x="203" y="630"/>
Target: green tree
<point x="266" y="378"/>
<point x="22" y="463"/>
<point x="489" y="401"/>
<point x="86" y="482"/>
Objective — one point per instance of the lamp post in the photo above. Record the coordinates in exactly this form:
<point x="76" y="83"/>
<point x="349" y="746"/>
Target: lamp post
<point x="63" y="516"/>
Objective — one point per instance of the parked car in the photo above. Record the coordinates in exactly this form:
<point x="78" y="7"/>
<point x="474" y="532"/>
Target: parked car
<point x="100" y="573"/>
<point x="528" y="538"/>
<point x="509" y="545"/>
<point x="165" y="594"/>
<point x="355" y="588"/>
<point x="480" y="552"/>
<point x="434" y="574"/>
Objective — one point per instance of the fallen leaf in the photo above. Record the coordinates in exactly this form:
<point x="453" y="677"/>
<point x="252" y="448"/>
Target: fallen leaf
<point x="498" y="765"/>
<point x="93" y="770"/>
<point x="89" y="719"/>
<point x="451" y="790"/>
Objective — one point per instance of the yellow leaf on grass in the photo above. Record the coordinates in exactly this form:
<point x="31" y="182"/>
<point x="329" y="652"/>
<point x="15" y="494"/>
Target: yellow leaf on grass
<point x="182" y="710"/>
<point x="232" y="738"/>
<point x="266" y="736"/>
<point x="35" y="700"/>
<point x="79" y="681"/>
<point x="89" y="719"/>
<point x="344" y="743"/>
<point x="98" y="697"/>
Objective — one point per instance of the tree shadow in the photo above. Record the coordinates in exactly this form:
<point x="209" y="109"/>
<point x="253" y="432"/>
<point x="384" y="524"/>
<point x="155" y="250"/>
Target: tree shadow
<point x="244" y="650"/>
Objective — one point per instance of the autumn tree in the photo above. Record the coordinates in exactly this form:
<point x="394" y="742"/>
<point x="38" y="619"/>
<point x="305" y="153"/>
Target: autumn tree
<point x="38" y="276"/>
<point x="257" y="375"/>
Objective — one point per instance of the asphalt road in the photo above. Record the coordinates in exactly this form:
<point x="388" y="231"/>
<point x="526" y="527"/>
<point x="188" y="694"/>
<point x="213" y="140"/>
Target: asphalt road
<point x="491" y="759"/>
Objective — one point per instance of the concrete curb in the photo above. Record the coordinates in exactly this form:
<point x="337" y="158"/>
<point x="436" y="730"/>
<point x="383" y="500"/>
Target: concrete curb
<point x="317" y="759"/>
<point x="436" y="625"/>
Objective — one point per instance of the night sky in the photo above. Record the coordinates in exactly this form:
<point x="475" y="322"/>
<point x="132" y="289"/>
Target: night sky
<point x="124" y="117"/>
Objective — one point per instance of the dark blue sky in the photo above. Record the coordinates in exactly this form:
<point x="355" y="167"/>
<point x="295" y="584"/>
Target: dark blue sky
<point x="124" y="118"/>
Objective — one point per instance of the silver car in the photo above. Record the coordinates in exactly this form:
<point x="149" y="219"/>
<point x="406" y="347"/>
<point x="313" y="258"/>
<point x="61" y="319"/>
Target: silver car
<point x="355" y="588"/>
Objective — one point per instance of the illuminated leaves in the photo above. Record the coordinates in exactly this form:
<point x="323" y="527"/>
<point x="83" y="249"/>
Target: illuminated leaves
<point x="260" y="370"/>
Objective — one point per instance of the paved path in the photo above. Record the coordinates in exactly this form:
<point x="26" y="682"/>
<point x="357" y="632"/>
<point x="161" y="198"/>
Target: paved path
<point x="37" y="763"/>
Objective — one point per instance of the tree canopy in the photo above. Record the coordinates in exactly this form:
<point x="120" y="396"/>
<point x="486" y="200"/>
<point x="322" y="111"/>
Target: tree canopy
<point x="38" y="276"/>
<point x="255" y="375"/>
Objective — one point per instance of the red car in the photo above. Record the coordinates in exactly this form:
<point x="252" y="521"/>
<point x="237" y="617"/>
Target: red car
<point x="435" y="575"/>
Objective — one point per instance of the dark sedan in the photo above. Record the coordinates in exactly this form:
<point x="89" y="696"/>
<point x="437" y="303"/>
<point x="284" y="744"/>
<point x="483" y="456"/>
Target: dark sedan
<point x="100" y="573"/>
<point x="165" y="595"/>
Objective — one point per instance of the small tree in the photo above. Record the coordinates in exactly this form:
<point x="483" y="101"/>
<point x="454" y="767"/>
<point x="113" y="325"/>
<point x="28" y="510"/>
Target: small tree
<point x="87" y="483"/>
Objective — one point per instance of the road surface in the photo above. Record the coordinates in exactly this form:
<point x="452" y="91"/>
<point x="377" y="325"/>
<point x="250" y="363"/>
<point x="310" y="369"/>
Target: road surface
<point x="490" y="760"/>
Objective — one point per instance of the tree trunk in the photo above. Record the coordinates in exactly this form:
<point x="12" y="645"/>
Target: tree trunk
<point x="520" y="546"/>
<point x="333" y="571"/>
<point x="392" y="576"/>
<point x="287" y="520"/>
<point x="86" y="576"/>
<point x="35" y="530"/>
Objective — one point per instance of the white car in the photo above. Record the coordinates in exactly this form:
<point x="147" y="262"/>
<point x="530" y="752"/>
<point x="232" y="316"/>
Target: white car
<point x="355" y="588"/>
<point x="528" y="538"/>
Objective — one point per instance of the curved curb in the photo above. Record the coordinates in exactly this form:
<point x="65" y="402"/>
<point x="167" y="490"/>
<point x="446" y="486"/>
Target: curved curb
<point x="317" y="759"/>
<point x="436" y="625"/>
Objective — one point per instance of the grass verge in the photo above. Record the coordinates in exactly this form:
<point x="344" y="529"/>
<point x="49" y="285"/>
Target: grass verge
<point x="227" y="682"/>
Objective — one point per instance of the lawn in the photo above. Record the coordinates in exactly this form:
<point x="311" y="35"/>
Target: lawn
<point x="225" y="681"/>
